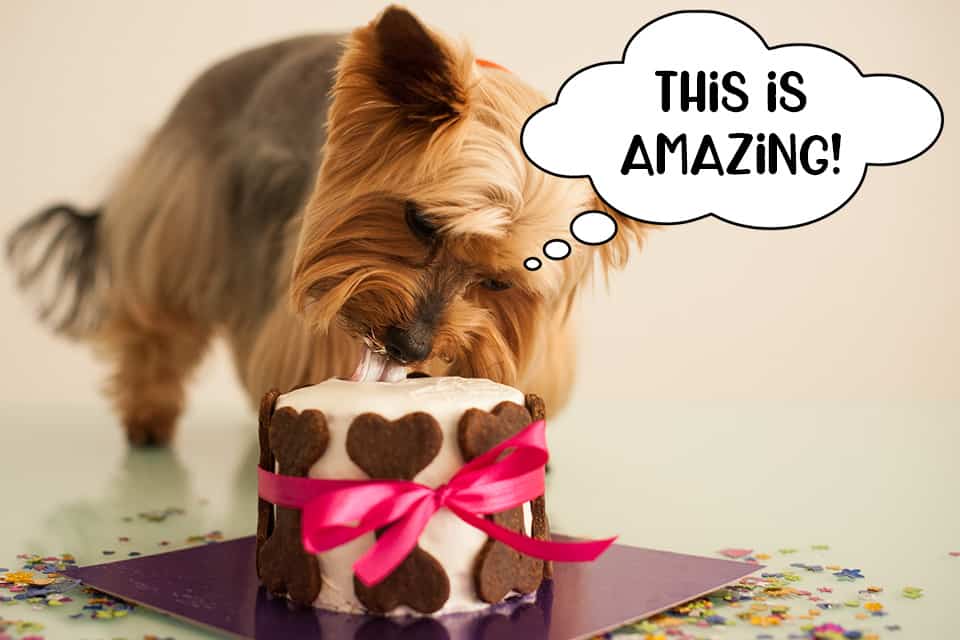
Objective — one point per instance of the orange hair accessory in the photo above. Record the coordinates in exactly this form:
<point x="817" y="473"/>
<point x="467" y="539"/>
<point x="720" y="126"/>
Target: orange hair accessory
<point x="491" y="65"/>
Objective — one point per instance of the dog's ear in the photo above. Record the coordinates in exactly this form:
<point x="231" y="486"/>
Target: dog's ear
<point x="417" y="73"/>
<point x="416" y="70"/>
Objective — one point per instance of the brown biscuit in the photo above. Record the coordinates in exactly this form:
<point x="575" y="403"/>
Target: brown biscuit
<point x="297" y="441"/>
<point x="479" y="431"/>
<point x="538" y="508"/>
<point x="420" y="582"/>
<point x="399" y="450"/>
<point x="265" y="520"/>
<point x="536" y="407"/>
<point x="393" y="449"/>
<point x="498" y="568"/>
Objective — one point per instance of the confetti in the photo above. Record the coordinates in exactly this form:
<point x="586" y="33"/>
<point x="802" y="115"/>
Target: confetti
<point x="912" y="592"/>
<point x="100" y="606"/>
<point x="735" y="553"/>
<point x="775" y="604"/>
<point x="206" y="538"/>
<point x="848" y="574"/>
<point x="159" y="515"/>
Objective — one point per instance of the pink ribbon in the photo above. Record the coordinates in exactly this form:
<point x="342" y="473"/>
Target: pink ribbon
<point x="337" y="511"/>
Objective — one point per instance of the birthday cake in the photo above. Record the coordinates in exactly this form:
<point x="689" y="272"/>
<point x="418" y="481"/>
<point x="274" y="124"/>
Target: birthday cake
<point x="418" y="430"/>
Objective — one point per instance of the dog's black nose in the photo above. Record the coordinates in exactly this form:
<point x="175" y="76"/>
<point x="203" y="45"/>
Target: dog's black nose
<point x="410" y="344"/>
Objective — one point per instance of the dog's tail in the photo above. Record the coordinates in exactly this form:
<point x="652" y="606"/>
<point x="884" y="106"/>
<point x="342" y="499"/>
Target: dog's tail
<point x="55" y="256"/>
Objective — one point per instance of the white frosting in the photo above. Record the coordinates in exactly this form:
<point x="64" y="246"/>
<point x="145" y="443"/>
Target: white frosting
<point x="451" y="541"/>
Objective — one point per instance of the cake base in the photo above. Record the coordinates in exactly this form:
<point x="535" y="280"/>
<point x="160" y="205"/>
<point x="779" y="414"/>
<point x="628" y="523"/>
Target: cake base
<point x="216" y="586"/>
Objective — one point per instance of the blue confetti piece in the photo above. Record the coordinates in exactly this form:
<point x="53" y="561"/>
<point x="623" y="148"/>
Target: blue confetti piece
<point x="849" y="574"/>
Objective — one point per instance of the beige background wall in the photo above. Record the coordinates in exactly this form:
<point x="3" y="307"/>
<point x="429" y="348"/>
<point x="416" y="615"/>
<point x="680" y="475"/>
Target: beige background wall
<point x="864" y="305"/>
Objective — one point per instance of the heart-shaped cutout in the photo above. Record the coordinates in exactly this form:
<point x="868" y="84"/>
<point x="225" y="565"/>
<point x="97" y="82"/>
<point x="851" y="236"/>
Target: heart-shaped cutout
<point x="394" y="449"/>
<point x="479" y="431"/>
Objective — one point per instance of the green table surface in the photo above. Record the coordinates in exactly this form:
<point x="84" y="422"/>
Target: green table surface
<point x="876" y="483"/>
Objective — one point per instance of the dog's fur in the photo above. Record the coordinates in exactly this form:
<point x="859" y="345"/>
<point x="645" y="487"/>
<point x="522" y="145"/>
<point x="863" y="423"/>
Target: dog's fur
<point x="309" y="195"/>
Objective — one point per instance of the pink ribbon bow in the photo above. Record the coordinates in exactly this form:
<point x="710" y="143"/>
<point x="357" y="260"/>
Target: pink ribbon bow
<point x="337" y="511"/>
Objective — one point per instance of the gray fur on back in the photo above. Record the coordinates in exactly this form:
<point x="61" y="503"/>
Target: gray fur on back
<point x="262" y="114"/>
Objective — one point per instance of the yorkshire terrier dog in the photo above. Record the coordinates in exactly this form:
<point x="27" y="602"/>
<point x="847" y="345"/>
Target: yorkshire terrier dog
<point x="331" y="207"/>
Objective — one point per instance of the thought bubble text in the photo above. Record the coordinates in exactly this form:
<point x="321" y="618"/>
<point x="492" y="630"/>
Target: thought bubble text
<point x="701" y="118"/>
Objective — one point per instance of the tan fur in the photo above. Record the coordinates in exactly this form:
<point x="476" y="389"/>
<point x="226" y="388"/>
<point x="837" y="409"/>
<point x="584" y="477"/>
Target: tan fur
<point x="296" y="255"/>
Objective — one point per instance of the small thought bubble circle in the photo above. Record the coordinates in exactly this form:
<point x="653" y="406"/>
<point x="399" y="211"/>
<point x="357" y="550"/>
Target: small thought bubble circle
<point x="588" y="227"/>
<point x="556" y="249"/>
<point x="593" y="227"/>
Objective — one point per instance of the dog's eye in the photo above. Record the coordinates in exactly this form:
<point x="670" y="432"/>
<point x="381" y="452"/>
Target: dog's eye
<point x="495" y="285"/>
<point x="418" y="224"/>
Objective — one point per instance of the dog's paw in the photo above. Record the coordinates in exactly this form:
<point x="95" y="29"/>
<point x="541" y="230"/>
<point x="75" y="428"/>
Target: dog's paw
<point x="151" y="426"/>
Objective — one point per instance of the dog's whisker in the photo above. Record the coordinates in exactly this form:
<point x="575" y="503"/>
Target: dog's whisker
<point x="373" y="344"/>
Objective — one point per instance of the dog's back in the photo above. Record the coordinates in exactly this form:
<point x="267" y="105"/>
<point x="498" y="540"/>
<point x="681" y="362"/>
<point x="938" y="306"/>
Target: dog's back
<point x="405" y="241"/>
<point x="195" y="235"/>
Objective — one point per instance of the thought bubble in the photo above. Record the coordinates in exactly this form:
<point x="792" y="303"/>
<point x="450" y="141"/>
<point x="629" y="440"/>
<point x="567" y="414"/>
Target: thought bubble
<point x="701" y="118"/>
<point x="593" y="227"/>
<point x="588" y="227"/>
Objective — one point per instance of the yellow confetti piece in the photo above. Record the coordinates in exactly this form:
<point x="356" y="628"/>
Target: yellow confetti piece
<point x="762" y="556"/>
<point x="764" y="621"/>
<point x="872" y="606"/>
<point x="672" y="622"/>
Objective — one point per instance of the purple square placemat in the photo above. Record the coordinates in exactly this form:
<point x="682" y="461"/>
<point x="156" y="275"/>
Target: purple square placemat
<point x="216" y="586"/>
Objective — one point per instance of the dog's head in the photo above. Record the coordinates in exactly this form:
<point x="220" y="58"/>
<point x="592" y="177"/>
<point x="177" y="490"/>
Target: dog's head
<point x="425" y="209"/>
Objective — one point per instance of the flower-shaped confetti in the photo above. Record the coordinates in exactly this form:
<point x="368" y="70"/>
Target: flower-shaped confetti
<point x="848" y="575"/>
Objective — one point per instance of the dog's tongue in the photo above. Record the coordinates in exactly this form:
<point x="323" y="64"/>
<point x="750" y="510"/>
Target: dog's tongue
<point x="377" y="367"/>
